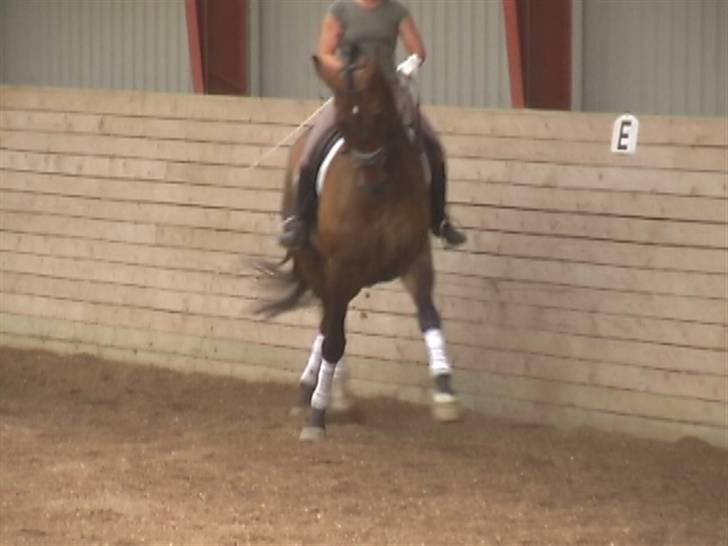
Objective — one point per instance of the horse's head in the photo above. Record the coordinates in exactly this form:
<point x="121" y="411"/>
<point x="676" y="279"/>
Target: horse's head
<point x="366" y="110"/>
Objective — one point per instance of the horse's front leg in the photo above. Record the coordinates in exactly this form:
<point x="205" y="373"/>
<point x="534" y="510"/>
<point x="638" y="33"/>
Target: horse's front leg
<point x="332" y="350"/>
<point x="420" y="283"/>
<point x="341" y="400"/>
<point x="309" y="377"/>
<point x="446" y="407"/>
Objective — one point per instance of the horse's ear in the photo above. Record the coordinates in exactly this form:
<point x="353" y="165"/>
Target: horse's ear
<point x="326" y="75"/>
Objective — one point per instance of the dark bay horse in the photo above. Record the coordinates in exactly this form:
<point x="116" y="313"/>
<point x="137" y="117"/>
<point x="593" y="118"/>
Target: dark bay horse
<point x="372" y="226"/>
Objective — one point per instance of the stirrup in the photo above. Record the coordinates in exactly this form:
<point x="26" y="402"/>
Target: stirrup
<point x="451" y="236"/>
<point x="293" y="233"/>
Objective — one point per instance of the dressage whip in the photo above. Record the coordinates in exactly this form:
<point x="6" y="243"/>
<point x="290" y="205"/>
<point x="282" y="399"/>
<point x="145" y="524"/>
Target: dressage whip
<point x="288" y="136"/>
<point x="408" y="68"/>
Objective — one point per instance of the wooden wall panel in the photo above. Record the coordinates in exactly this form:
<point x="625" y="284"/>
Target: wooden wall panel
<point x="593" y="289"/>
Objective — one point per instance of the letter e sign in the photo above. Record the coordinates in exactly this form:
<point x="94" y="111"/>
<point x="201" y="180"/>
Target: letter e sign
<point x="624" y="134"/>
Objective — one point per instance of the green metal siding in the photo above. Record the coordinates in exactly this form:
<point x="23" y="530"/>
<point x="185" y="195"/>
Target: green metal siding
<point x="121" y="44"/>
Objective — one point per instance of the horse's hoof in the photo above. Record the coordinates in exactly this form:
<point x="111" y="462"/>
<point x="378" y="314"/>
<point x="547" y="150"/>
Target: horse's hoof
<point x="341" y="404"/>
<point x="297" y="411"/>
<point x="343" y="408"/>
<point x="312" y="434"/>
<point x="341" y="399"/>
<point x="445" y="408"/>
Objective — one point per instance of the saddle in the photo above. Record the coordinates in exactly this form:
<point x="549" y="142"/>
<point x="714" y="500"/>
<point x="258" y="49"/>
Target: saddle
<point x="330" y="144"/>
<point x="322" y="155"/>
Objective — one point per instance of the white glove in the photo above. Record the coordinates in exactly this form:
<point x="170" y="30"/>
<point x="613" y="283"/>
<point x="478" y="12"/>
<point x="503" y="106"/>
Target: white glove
<point x="410" y="65"/>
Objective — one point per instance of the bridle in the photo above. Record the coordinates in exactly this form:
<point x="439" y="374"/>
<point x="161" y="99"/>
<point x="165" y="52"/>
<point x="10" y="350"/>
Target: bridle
<point x="362" y="158"/>
<point x="368" y="158"/>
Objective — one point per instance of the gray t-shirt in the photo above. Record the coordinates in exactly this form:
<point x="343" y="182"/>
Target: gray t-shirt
<point x="373" y="30"/>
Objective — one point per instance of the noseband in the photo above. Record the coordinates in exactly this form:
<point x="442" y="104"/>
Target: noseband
<point x="365" y="159"/>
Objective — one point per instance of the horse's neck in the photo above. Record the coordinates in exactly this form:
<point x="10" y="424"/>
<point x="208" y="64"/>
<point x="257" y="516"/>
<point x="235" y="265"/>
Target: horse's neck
<point x="405" y="163"/>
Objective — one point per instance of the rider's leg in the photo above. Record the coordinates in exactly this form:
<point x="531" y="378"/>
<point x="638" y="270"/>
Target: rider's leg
<point x="440" y="222"/>
<point x="295" y="228"/>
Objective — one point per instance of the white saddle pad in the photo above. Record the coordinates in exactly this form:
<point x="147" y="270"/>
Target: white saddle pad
<point x="331" y="154"/>
<point x="326" y="163"/>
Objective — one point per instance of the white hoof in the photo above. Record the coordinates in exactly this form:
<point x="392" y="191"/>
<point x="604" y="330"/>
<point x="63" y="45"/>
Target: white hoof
<point x="312" y="434"/>
<point x="341" y="399"/>
<point x="297" y="411"/>
<point x="341" y="402"/>
<point x="445" y="408"/>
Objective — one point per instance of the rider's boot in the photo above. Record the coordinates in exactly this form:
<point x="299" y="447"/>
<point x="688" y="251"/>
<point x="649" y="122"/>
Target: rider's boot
<point x="441" y="224"/>
<point x="295" y="228"/>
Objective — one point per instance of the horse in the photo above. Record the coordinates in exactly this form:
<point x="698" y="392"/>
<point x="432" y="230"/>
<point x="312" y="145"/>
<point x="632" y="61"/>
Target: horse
<point x="372" y="226"/>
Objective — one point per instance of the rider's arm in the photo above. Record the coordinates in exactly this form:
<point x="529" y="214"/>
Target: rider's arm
<point x="411" y="39"/>
<point x="331" y="31"/>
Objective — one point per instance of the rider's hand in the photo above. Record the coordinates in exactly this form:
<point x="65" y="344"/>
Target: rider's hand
<point x="410" y="65"/>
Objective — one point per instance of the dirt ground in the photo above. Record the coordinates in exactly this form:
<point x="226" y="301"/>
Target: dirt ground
<point x="102" y="453"/>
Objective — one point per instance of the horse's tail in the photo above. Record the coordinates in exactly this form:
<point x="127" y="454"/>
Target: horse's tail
<point x="278" y="279"/>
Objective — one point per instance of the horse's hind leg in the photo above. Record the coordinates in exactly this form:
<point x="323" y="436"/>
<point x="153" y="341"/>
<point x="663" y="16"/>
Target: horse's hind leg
<point x="419" y="282"/>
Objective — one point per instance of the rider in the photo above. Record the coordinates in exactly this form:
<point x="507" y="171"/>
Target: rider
<point x="372" y="26"/>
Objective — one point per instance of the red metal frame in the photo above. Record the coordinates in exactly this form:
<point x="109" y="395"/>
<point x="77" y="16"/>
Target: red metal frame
<point x="193" y="40"/>
<point x="538" y="41"/>
<point x="224" y="42"/>
<point x="515" y="56"/>
<point x="545" y="39"/>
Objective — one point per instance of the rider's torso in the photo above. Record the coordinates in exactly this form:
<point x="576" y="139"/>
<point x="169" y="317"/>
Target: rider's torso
<point x="373" y="30"/>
